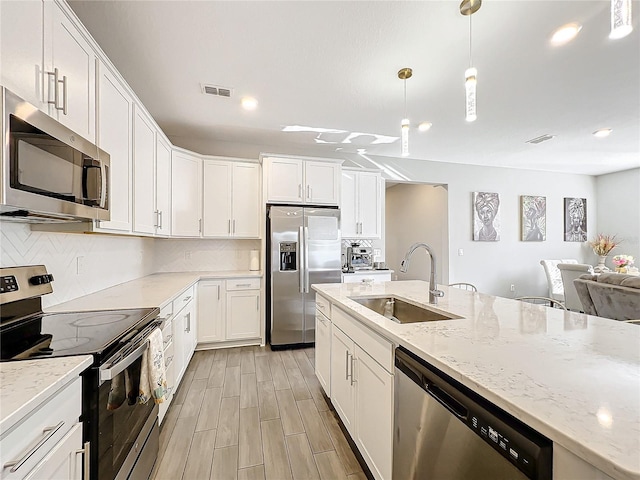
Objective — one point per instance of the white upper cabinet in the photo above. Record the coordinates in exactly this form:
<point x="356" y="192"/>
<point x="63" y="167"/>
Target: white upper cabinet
<point x="186" y="219"/>
<point x="115" y="107"/>
<point x="361" y="204"/>
<point x="21" y="41"/>
<point x="144" y="142"/>
<point x="72" y="89"/>
<point x="231" y="199"/>
<point x="291" y="180"/>
<point x="163" y="187"/>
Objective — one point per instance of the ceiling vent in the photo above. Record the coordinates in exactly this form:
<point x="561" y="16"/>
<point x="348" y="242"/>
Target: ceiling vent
<point x="540" y="139"/>
<point x="217" y="91"/>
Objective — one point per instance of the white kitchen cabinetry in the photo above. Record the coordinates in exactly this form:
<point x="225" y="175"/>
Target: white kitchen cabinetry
<point x="47" y="443"/>
<point x="186" y="218"/>
<point x="211" y="311"/>
<point x="243" y="309"/>
<point x="163" y="187"/>
<point x="184" y="332"/>
<point x="144" y="193"/>
<point x="46" y="60"/>
<point x="115" y="108"/>
<point x="292" y="180"/>
<point x="323" y="344"/>
<point x="166" y="315"/>
<point x="231" y="199"/>
<point x="362" y="389"/>
<point x="367" y="276"/>
<point x="361" y="204"/>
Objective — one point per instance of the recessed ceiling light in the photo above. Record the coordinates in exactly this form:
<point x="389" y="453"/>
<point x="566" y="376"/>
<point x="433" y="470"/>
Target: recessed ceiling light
<point x="602" y="132"/>
<point x="424" y="126"/>
<point x="249" y="103"/>
<point x="565" y="33"/>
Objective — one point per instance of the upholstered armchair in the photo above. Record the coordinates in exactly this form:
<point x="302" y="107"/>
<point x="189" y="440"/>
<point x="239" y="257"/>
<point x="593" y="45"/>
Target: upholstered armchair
<point x="554" y="279"/>
<point x="610" y="295"/>
<point x="569" y="272"/>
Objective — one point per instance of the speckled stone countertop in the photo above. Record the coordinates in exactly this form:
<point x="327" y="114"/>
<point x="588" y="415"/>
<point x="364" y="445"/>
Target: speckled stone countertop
<point x="573" y="377"/>
<point x="151" y="291"/>
<point x="26" y="384"/>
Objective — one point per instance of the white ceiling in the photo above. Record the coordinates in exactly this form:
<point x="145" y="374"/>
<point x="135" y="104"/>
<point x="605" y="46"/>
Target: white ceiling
<point x="334" y="65"/>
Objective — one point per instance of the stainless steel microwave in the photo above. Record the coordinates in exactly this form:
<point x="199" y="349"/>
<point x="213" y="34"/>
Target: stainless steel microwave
<point x="48" y="173"/>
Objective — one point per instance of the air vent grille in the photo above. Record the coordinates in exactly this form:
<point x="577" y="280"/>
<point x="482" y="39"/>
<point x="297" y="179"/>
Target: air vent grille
<point x="540" y="139"/>
<point x="217" y="91"/>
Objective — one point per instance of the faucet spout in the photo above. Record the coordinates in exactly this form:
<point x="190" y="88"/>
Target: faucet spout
<point x="434" y="293"/>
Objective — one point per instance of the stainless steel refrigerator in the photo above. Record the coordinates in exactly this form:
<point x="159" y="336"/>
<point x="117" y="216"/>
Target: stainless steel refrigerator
<point x="304" y="246"/>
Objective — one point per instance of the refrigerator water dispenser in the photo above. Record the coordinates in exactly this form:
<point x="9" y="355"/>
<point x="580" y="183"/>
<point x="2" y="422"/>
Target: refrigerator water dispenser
<point x="288" y="252"/>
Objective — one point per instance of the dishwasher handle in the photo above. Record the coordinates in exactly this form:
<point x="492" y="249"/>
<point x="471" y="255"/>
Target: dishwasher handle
<point x="447" y="401"/>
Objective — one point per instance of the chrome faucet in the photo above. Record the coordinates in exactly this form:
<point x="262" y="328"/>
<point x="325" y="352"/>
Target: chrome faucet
<point x="434" y="293"/>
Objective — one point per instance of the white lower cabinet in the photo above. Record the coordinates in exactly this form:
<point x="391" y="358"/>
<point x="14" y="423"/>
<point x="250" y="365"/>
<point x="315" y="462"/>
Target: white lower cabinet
<point x="64" y="461"/>
<point x="361" y="380"/>
<point x="184" y="336"/>
<point x="323" y="351"/>
<point x="211" y="311"/>
<point x="243" y="314"/>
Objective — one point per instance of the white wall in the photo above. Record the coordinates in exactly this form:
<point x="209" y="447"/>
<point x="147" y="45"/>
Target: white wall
<point x="417" y="213"/>
<point x="618" y="210"/>
<point x="107" y="260"/>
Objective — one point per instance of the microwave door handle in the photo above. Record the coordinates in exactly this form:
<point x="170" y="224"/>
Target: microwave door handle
<point x="301" y="258"/>
<point x="103" y="185"/>
<point x="110" y="373"/>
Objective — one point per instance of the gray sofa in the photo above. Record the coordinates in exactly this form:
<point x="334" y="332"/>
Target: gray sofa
<point x="610" y="295"/>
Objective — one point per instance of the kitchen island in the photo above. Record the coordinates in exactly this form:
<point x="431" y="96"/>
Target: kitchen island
<point x="572" y="377"/>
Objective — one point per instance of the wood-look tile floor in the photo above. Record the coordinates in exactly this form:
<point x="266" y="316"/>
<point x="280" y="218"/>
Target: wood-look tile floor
<point x="250" y="413"/>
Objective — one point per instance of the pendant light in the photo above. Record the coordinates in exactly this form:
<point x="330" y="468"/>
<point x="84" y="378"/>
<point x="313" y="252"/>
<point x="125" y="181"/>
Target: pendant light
<point x="620" y="19"/>
<point x="404" y="74"/>
<point x="468" y="8"/>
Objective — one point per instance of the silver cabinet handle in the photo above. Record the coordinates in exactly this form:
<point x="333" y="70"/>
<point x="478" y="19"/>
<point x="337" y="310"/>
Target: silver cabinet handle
<point x="157" y="214"/>
<point x="243" y="284"/>
<point x="300" y="190"/>
<point x="186" y="299"/>
<point x="353" y="361"/>
<point x="229" y="226"/>
<point x="188" y="329"/>
<point x="48" y="433"/>
<point x="160" y="218"/>
<point x="168" y="361"/>
<point x="234" y="227"/>
<point x="257" y="304"/>
<point x="308" y="192"/>
<point x="64" y="95"/>
<point x="86" y="463"/>
<point x="218" y="291"/>
<point x="199" y="225"/>
<point x="167" y="340"/>
<point x="56" y="94"/>
<point x="346" y="365"/>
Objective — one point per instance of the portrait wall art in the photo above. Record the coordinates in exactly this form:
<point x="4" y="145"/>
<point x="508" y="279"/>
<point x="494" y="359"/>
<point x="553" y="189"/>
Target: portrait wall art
<point x="575" y="219"/>
<point x="533" y="218"/>
<point x="486" y="217"/>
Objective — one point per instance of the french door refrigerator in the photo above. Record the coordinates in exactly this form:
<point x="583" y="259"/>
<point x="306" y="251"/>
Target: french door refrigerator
<point x="304" y="248"/>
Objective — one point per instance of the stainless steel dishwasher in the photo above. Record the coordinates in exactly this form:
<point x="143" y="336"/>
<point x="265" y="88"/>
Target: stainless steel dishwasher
<point x="445" y="431"/>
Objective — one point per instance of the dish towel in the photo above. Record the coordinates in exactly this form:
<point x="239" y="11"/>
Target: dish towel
<point x="153" y="378"/>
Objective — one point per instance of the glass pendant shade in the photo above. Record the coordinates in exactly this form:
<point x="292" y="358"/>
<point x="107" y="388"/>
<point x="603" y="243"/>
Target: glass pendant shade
<point x="470" y="87"/>
<point x="405" y="137"/>
<point x="620" y="19"/>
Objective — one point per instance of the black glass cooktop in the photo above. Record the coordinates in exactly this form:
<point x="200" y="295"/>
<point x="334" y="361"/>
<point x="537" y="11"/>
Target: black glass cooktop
<point x="46" y="335"/>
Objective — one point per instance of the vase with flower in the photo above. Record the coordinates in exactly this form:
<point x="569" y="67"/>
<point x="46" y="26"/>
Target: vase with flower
<point x="622" y="262"/>
<point x="602" y="246"/>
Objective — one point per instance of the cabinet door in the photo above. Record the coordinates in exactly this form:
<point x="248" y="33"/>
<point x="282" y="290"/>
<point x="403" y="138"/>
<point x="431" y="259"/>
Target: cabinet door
<point x="115" y="137"/>
<point x="216" y="194"/>
<point x="144" y="194"/>
<point x="179" y="365"/>
<point x="64" y="460"/>
<point x="323" y="352"/>
<point x="246" y="200"/>
<point x="348" y="215"/>
<point x="374" y="414"/>
<point x="163" y="187"/>
<point x="342" y="395"/>
<point x="284" y="180"/>
<point x="190" y="331"/>
<point x="211" y="311"/>
<point x="369" y="204"/>
<point x="185" y="195"/>
<point x="322" y="183"/>
<point x="67" y="50"/>
<point x="21" y="41"/>
<point x="243" y="314"/>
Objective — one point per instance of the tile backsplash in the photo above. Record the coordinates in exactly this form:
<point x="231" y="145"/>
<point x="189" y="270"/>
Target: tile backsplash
<point x="179" y="255"/>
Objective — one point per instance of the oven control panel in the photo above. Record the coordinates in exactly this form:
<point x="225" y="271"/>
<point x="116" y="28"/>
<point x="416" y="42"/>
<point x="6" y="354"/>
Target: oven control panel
<point x="8" y="283"/>
<point x="18" y="283"/>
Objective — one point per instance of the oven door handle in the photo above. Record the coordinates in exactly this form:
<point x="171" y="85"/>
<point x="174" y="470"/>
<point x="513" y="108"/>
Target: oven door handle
<point x="110" y="373"/>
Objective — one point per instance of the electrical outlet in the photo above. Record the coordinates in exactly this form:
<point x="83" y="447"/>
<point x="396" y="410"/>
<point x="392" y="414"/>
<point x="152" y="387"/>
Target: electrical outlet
<point x="460" y="252"/>
<point x="513" y="288"/>
<point x="187" y="255"/>
<point x="79" y="265"/>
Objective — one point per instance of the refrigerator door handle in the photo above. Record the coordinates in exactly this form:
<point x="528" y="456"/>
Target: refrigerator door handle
<point x="306" y="261"/>
<point x="301" y="260"/>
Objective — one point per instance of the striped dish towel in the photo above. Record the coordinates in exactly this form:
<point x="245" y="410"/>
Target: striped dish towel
<point x="153" y="378"/>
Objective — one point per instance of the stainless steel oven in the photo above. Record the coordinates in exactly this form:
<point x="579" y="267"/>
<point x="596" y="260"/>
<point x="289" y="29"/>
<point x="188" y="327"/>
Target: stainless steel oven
<point x="48" y="173"/>
<point x="122" y="434"/>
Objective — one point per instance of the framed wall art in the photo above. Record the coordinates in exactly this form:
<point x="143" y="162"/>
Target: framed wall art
<point x="533" y="217"/>
<point x="575" y="219"/>
<point x="486" y="217"/>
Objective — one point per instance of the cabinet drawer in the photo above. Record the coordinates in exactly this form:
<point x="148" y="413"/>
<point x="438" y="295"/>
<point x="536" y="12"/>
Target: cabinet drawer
<point x="323" y="305"/>
<point x="166" y="312"/>
<point x="41" y="431"/>
<point x="378" y="347"/>
<point x="182" y="299"/>
<point x="167" y="334"/>
<point x="243" y="284"/>
<point x="168" y="355"/>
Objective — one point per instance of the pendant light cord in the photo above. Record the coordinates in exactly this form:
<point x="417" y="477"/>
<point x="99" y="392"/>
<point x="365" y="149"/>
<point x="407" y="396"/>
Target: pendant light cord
<point x="470" y="61"/>
<point x="405" y="98"/>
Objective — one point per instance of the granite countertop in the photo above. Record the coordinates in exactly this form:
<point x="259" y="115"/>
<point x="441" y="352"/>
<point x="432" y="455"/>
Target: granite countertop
<point x="573" y="377"/>
<point x="26" y="384"/>
<point x="154" y="290"/>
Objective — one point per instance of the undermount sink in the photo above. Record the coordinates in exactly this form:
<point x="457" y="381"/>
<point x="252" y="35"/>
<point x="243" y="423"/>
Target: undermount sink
<point x="400" y="311"/>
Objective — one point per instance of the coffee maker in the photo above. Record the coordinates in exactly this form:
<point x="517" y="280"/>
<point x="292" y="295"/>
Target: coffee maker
<point x="359" y="258"/>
